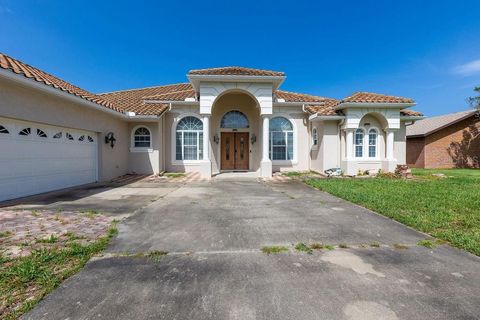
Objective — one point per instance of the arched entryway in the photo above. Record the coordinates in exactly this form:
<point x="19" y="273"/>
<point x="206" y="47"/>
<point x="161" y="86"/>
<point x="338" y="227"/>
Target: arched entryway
<point x="235" y="125"/>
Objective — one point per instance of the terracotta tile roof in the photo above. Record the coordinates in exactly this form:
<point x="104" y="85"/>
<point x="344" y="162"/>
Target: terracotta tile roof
<point x="133" y="100"/>
<point x="429" y="125"/>
<point x="297" y="97"/>
<point x="410" y="113"/>
<point x="18" y="67"/>
<point x="326" y="109"/>
<point x="368" y="97"/>
<point x="236" y="71"/>
<point x="173" y="96"/>
<point x="150" y="109"/>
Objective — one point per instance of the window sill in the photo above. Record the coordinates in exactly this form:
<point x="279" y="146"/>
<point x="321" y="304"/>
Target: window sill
<point x="367" y="159"/>
<point x="186" y="162"/>
<point x="284" y="162"/>
<point x="149" y="150"/>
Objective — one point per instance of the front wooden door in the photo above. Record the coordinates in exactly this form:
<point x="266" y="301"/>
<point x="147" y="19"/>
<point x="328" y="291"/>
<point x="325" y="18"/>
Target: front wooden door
<point x="235" y="151"/>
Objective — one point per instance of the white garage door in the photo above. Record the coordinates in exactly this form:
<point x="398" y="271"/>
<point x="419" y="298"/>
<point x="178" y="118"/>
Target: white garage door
<point x="36" y="158"/>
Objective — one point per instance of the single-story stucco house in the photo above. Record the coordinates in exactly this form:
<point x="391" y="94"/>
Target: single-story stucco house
<point x="55" y="135"/>
<point x="446" y="141"/>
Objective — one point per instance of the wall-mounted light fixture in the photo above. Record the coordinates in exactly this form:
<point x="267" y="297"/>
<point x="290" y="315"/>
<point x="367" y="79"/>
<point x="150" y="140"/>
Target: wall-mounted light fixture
<point x="109" y="138"/>
<point x="215" y="138"/>
<point x="253" y="139"/>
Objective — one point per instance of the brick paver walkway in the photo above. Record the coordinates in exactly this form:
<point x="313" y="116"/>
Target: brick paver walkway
<point x="24" y="231"/>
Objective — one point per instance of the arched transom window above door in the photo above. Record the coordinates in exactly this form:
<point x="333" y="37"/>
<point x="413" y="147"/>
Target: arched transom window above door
<point x="189" y="139"/>
<point x="234" y="120"/>
<point x="281" y="139"/>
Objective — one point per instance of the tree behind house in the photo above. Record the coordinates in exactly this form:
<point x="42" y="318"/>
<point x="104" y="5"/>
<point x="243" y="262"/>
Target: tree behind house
<point x="475" y="101"/>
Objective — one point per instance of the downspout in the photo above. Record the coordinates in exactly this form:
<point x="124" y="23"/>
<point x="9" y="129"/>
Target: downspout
<point x="163" y="136"/>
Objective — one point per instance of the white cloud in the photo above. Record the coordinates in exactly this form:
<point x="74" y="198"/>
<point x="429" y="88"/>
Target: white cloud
<point x="468" y="68"/>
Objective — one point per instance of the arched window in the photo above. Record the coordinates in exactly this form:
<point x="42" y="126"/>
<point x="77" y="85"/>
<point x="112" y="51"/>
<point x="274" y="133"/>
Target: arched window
<point x="25" y="132"/>
<point x="372" y="143"/>
<point x="3" y="130"/>
<point x="358" y="142"/>
<point x="234" y="120"/>
<point x="142" y="138"/>
<point x="189" y="139"/>
<point x="41" y="133"/>
<point x="281" y="139"/>
<point x="314" y="137"/>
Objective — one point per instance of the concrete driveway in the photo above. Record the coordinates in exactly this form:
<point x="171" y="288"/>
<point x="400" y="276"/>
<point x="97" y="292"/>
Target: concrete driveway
<point x="213" y="232"/>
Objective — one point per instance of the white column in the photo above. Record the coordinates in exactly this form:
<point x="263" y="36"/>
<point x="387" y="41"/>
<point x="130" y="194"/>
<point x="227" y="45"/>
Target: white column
<point x="265" y="138"/>
<point x="266" y="164"/>
<point x="349" y="144"/>
<point x="389" y="145"/>
<point x="206" y="137"/>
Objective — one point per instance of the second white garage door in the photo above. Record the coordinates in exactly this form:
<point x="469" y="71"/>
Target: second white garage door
<point x="36" y="158"/>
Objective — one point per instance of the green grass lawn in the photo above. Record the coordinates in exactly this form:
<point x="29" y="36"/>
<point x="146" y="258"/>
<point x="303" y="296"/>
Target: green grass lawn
<point x="446" y="208"/>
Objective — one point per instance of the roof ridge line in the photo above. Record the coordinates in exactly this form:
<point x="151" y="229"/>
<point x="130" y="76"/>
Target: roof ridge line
<point x="144" y="88"/>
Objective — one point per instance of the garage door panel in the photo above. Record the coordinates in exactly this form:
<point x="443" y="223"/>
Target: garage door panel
<point x="33" y="164"/>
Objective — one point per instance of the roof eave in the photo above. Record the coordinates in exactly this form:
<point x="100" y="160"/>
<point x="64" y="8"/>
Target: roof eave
<point x="196" y="78"/>
<point x="317" y="117"/>
<point x="410" y="118"/>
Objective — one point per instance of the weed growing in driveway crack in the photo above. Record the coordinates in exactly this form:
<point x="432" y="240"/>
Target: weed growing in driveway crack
<point x="303" y="247"/>
<point x="400" y="246"/>
<point x="156" y="255"/>
<point x="274" y="249"/>
<point x="375" y="244"/>
<point x="52" y="239"/>
<point x="343" y="245"/>
<point x="430" y="243"/>
<point x="5" y="234"/>
<point x="320" y="246"/>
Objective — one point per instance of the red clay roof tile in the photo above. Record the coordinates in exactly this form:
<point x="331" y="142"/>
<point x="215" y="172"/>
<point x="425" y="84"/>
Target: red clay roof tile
<point x="369" y="97"/>
<point x="236" y="71"/>
<point x="18" y="67"/>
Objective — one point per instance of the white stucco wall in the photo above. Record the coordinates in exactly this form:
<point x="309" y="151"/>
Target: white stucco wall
<point x="24" y="103"/>
<point x="141" y="160"/>
<point x="301" y="139"/>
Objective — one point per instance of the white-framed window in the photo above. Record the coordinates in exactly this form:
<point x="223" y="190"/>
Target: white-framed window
<point x="189" y="139"/>
<point x="281" y="139"/>
<point x="365" y="142"/>
<point x="372" y="143"/>
<point x="25" y="132"/>
<point x="314" y="137"/>
<point x="142" y="138"/>
<point x="69" y="136"/>
<point x="3" y="130"/>
<point x="57" y="135"/>
<point x="358" y="143"/>
<point x="41" y="133"/>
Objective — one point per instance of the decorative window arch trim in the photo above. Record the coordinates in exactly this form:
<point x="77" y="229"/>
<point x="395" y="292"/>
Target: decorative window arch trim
<point x="173" y="140"/>
<point x="133" y="148"/>
<point x="295" y="140"/>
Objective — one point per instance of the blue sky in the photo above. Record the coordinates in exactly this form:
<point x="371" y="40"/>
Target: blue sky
<point x="427" y="50"/>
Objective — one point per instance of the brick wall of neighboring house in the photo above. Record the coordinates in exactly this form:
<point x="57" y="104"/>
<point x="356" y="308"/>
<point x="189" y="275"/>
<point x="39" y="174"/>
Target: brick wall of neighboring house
<point x="438" y="144"/>
<point x="416" y="152"/>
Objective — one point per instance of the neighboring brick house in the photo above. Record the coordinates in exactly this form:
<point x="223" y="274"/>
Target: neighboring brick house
<point x="447" y="141"/>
